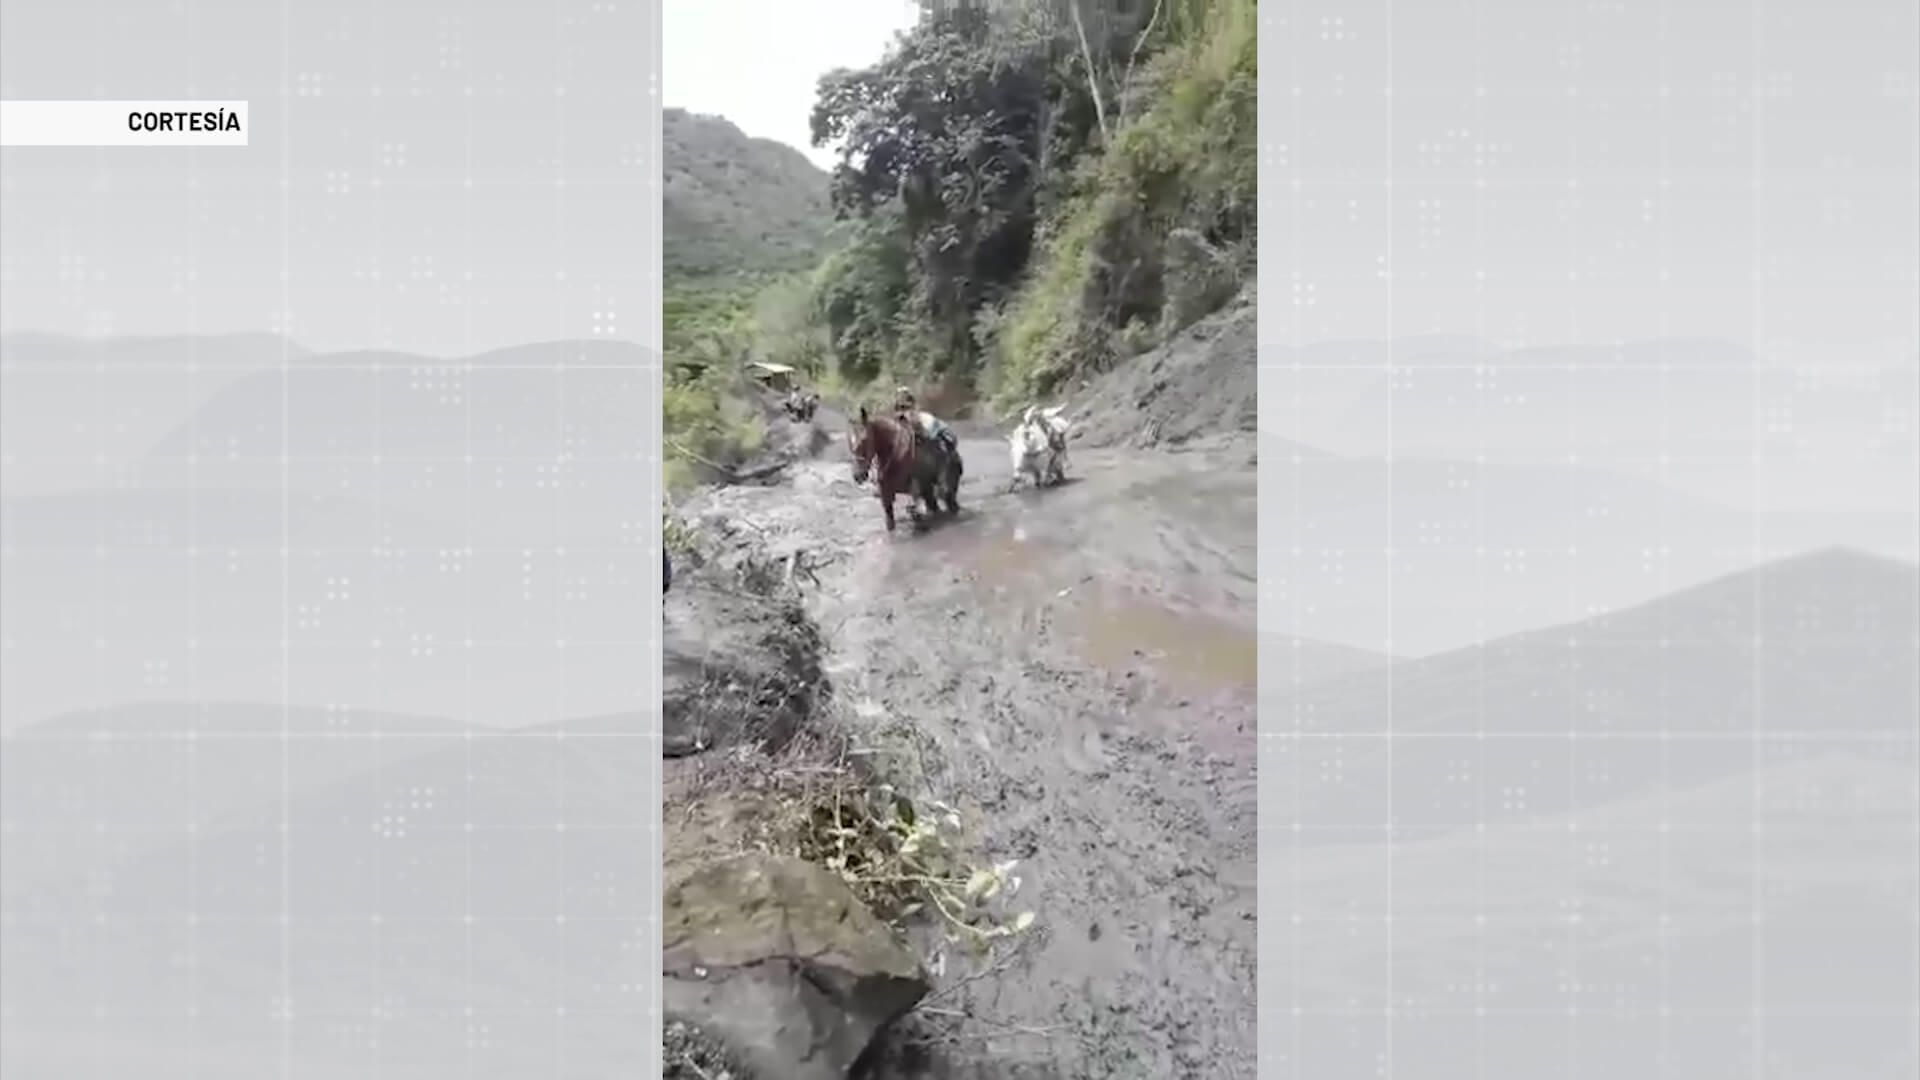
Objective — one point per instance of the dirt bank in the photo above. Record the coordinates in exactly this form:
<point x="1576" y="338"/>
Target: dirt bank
<point x="1075" y="669"/>
<point x="1199" y="385"/>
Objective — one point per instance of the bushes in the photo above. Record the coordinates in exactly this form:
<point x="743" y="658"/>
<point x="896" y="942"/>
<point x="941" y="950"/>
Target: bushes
<point x="712" y="417"/>
<point x="859" y="295"/>
<point x="950" y="146"/>
<point x="1159" y="229"/>
<point x="1009" y="231"/>
<point x="707" y="330"/>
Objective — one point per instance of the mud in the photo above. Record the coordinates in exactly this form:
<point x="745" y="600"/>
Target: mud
<point x="1076" y="665"/>
<point x="1199" y="384"/>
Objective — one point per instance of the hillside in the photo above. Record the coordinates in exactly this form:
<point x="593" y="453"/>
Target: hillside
<point x="734" y="204"/>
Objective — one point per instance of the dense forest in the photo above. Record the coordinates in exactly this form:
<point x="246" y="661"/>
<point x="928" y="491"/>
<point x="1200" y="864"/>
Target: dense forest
<point x="1027" y="191"/>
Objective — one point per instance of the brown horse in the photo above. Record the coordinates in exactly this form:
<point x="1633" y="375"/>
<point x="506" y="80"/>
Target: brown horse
<point x="904" y="461"/>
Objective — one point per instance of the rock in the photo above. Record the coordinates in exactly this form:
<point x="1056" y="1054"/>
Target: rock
<point x="778" y="959"/>
<point x="735" y="668"/>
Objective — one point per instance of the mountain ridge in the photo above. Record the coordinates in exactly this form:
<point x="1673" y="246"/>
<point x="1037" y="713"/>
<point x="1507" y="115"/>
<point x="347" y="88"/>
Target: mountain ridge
<point x="732" y="202"/>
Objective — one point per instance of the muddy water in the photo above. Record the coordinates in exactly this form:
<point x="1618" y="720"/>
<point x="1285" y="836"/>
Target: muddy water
<point x="1116" y="627"/>
<point x="1149" y="583"/>
<point x="1191" y="650"/>
<point x="1081" y="663"/>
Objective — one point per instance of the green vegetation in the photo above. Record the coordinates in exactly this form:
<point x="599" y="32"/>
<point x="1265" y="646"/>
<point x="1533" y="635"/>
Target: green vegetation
<point x="1160" y="230"/>
<point x="732" y="205"/>
<point x="745" y="220"/>
<point x="1028" y="192"/>
<point x="703" y="412"/>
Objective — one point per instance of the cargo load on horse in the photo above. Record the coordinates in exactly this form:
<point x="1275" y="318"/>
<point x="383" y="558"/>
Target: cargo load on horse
<point x="908" y="454"/>
<point x="1038" y="447"/>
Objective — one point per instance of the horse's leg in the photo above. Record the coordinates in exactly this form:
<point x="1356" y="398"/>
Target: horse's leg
<point x="924" y="503"/>
<point x="910" y="490"/>
<point x="954" y="467"/>
<point x="886" y="505"/>
<point x="920" y="482"/>
<point x="929" y="498"/>
<point x="937" y="471"/>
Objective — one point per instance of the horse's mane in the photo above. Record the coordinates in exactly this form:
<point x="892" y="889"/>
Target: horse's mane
<point x="881" y="426"/>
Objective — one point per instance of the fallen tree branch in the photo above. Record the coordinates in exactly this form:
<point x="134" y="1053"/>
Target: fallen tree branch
<point x="1000" y="964"/>
<point x="760" y="472"/>
<point x="733" y="475"/>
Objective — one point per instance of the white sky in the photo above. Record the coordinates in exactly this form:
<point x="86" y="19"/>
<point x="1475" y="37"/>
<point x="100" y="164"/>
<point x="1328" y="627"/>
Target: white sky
<point x="756" y="62"/>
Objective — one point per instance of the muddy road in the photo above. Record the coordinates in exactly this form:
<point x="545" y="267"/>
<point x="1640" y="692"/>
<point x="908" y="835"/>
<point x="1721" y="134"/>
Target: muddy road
<point x="1077" y="665"/>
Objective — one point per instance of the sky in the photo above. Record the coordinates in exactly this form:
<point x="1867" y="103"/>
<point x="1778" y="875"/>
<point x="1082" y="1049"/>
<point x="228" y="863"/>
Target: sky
<point x="756" y="62"/>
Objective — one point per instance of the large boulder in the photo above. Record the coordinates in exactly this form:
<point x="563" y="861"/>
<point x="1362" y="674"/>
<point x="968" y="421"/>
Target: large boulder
<point x="778" y="959"/>
<point x="735" y="668"/>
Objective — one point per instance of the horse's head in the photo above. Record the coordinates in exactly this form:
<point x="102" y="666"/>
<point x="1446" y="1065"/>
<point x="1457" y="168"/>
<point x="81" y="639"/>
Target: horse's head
<point x="860" y="446"/>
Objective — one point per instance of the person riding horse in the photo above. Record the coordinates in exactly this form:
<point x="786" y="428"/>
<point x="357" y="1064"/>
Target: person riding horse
<point x="924" y="422"/>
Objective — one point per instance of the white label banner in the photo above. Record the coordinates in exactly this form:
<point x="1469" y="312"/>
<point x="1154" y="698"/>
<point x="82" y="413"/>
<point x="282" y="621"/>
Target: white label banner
<point x="123" y="123"/>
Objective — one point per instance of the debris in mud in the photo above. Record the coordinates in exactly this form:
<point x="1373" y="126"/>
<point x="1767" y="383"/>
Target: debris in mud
<point x="736" y="668"/>
<point x="740" y="656"/>
<point x="905" y="861"/>
<point x="689" y="1053"/>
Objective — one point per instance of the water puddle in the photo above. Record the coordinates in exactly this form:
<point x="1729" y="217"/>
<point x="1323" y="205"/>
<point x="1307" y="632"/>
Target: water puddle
<point x="1122" y="632"/>
<point x="999" y="555"/>
<point x="1117" y="628"/>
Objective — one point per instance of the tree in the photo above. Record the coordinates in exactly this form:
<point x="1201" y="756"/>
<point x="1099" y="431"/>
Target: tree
<point x="958" y="129"/>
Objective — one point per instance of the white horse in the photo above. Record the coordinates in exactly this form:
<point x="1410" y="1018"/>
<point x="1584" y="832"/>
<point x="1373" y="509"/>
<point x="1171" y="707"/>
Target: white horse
<point x="1038" y="446"/>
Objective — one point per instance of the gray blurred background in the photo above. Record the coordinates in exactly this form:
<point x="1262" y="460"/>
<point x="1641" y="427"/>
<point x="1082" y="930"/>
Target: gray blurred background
<point x="1588" y="400"/>
<point x="330" y="508"/>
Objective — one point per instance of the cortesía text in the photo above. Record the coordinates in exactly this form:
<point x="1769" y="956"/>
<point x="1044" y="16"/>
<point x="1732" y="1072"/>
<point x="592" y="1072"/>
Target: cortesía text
<point x="218" y="120"/>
